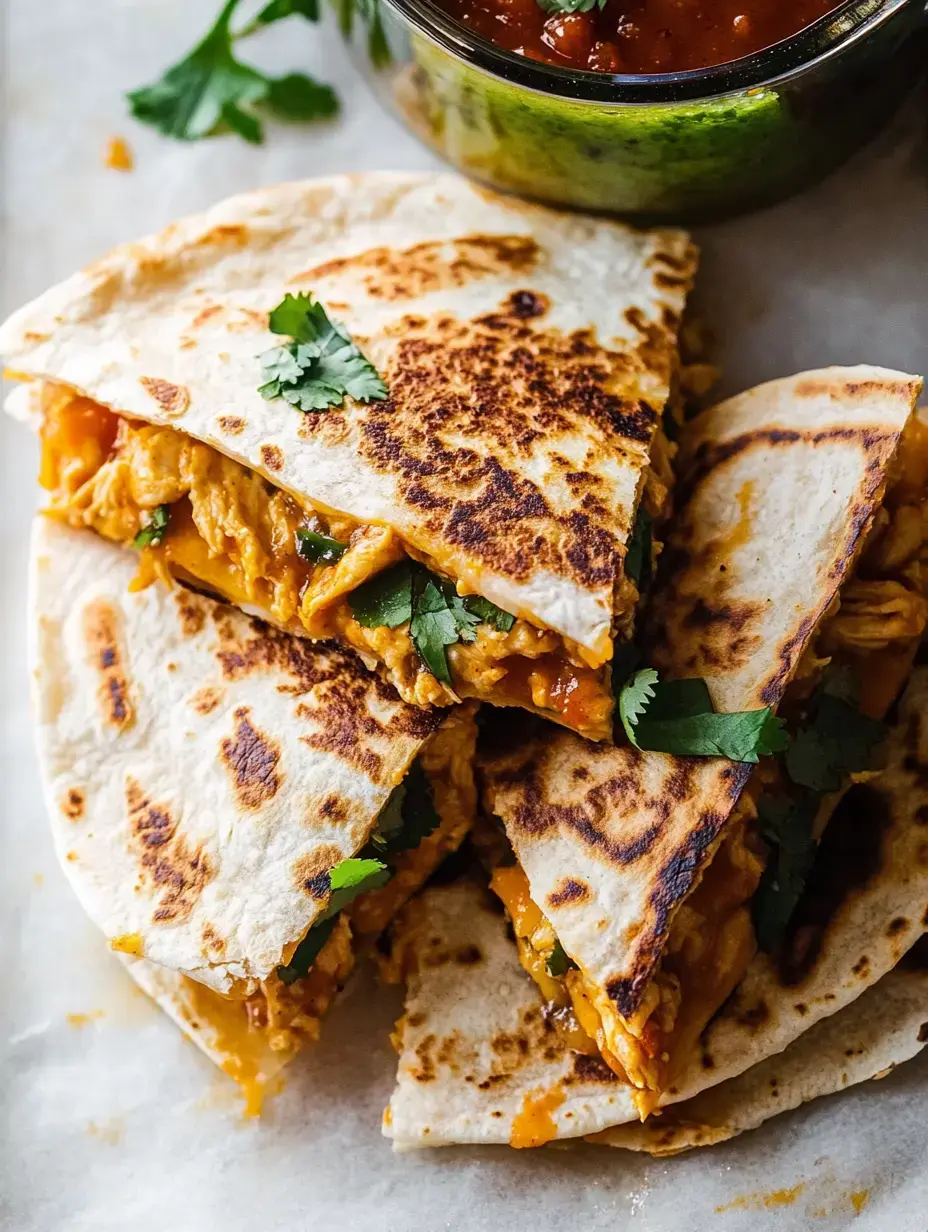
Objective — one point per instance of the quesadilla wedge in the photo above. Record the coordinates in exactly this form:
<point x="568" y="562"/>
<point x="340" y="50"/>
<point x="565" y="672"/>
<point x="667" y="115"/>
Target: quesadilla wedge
<point x="485" y="1056"/>
<point x="451" y="464"/>
<point x="237" y="806"/>
<point x="482" y="1060"/>
<point x="793" y="578"/>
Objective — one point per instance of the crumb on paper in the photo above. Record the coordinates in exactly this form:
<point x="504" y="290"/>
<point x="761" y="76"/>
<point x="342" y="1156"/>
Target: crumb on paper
<point x="82" y="1018"/>
<point x="109" y="1131"/>
<point x="764" y="1201"/>
<point x="118" y="156"/>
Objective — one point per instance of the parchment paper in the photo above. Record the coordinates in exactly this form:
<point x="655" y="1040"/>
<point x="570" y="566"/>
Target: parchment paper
<point x="109" y="1119"/>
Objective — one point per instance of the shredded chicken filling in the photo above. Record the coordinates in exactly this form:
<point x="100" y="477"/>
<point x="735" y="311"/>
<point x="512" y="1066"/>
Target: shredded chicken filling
<point x="234" y="533"/>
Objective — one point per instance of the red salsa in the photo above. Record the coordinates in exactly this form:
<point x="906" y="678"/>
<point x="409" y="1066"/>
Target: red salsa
<point x="638" y="36"/>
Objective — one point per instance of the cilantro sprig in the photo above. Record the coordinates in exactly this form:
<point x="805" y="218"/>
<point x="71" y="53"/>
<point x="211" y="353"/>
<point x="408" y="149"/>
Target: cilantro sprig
<point x="677" y="717"/>
<point x="154" y="530"/>
<point x="347" y="880"/>
<point x="210" y="90"/>
<point x="787" y="825"/>
<point x="571" y="6"/>
<point x="558" y="962"/>
<point x="409" y="815"/>
<point x="319" y="549"/>
<point x="320" y="364"/>
<point x="438" y="616"/>
<point x="836" y="740"/>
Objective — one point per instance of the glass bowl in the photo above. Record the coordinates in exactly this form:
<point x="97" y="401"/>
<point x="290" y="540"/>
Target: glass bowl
<point x="672" y="146"/>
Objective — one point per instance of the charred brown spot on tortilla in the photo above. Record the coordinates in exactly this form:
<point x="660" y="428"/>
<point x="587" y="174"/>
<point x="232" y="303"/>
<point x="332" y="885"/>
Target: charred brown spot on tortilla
<point x="207" y="699"/>
<point x="516" y="386"/>
<point x="416" y="1019"/>
<point x="569" y="891"/>
<point x="206" y="313"/>
<point x="253" y="759"/>
<point x="233" y="425"/>
<point x="527" y="304"/>
<point x="73" y="803"/>
<point x="191" y="610"/>
<point x="396" y="274"/>
<point x="801" y="1008"/>
<point x="176" y="871"/>
<point x="101" y="628"/>
<point x="849" y="856"/>
<point x="173" y="399"/>
<point x="272" y="457"/>
<point x="897" y="926"/>
<point x="333" y="808"/>
<point x="425" y="1071"/>
<point x="587" y="1068"/>
<point x="849" y="391"/>
<point x="468" y="955"/>
<point x="213" y="943"/>
<point x="224" y="234"/>
<point x="922" y="1036"/>
<point x="311" y="871"/>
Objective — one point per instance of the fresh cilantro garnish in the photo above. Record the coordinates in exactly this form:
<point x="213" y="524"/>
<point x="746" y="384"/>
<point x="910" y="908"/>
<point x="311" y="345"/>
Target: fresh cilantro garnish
<point x="558" y="961"/>
<point x="386" y="600"/>
<point x="787" y="827"/>
<point x="154" y="530"/>
<point x="319" y="549"/>
<point x="320" y="365"/>
<point x="210" y="89"/>
<point x="633" y="700"/>
<point x="409" y="815"/>
<point x="571" y="6"/>
<point x="677" y="717"/>
<point x="347" y="880"/>
<point x="438" y="616"/>
<point x="837" y="741"/>
<point x="638" y="555"/>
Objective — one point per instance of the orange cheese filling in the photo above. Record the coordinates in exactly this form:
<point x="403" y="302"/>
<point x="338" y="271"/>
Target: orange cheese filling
<point x="710" y="945"/>
<point x="234" y="533"/>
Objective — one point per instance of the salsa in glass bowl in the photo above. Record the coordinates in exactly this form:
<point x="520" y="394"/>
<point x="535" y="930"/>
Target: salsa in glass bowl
<point x="499" y="90"/>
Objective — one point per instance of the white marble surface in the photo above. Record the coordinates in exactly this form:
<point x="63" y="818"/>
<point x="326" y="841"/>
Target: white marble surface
<point x="119" y="1124"/>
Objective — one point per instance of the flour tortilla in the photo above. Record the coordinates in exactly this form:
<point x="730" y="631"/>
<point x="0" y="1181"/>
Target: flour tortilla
<point x="478" y="1047"/>
<point x="884" y="1027"/>
<point x="529" y="356"/>
<point x="780" y="486"/>
<point x="202" y="771"/>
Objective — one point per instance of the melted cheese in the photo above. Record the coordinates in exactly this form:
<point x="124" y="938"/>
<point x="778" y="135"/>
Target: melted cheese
<point x="233" y="533"/>
<point x="534" y="1125"/>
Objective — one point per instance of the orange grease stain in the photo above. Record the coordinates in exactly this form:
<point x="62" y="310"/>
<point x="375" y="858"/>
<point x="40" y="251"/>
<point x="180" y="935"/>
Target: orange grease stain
<point x="535" y="1125"/>
<point x="764" y="1201"/>
<point x="118" y="156"/>
<point x="82" y="1019"/>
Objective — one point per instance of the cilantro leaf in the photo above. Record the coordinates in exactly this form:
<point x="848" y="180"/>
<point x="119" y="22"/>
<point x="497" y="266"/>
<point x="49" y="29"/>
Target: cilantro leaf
<point x="409" y="815"/>
<point x="839" y="741"/>
<point x="787" y="827"/>
<point x="210" y="88"/>
<point x="432" y="628"/>
<point x="438" y="616"/>
<point x="489" y="613"/>
<point x="320" y="365"/>
<point x="347" y="880"/>
<point x="677" y="717"/>
<point x="386" y="600"/>
<point x="559" y="961"/>
<point x="319" y="549"/>
<point x="570" y="6"/>
<point x="638" y="553"/>
<point x="154" y="530"/>
<point x="633" y="700"/>
<point x="275" y="10"/>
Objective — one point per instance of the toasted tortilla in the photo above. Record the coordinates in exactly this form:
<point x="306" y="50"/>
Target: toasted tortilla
<point x="614" y="840"/>
<point x="484" y="1059"/>
<point x="867" y="1040"/>
<point x="529" y="355"/>
<point x="203" y="772"/>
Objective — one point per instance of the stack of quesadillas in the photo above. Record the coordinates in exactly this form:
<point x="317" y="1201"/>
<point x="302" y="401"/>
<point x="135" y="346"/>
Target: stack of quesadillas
<point x="337" y="464"/>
